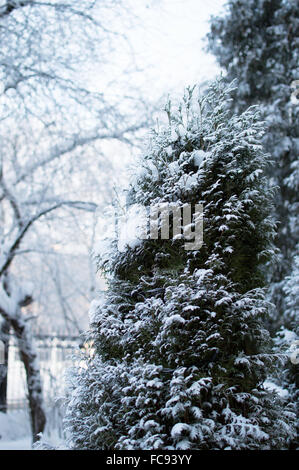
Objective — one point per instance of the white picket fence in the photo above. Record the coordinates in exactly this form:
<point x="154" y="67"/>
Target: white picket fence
<point x="55" y="354"/>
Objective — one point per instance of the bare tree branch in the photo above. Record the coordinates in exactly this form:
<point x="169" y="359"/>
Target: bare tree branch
<point x="25" y="227"/>
<point x="11" y="6"/>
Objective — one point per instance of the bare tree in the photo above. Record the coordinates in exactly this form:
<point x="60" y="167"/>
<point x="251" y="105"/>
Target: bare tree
<point x="56" y="124"/>
<point x="11" y="301"/>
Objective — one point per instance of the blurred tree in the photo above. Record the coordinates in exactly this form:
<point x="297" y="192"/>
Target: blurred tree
<point x="55" y="121"/>
<point x="257" y="43"/>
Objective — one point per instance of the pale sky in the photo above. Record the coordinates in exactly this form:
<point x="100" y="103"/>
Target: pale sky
<point x="169" y="50"/>
<point x="170" y="43"/>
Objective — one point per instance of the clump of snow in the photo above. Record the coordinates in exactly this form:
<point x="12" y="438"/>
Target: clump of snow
<point x="139" y="174"/>
<point x="200" y="274"/>
<point x="102" y="247"/>
<point x="155" y="383"/>
<point x="153" y="170"/>
<point x="146" y="169"/>
<point x="10" y="303"/>
<point x="169" y="150"/>
<point x="199" y="156"/>
<point x="272" y="387"/>
<point x="173" y="136"/>
<point x="184" y="156"/>
<point x="287" y="336"/>
<point x="178" y="429"/>
<point x="95" y="305"/>
<point x="174" y="167"/>
<point x="132" y="227"/>
<point x="188" y="182"/>
<point x="174" y="319"/>
<point x="180" y="130"/>
<point x="185" y="444"/>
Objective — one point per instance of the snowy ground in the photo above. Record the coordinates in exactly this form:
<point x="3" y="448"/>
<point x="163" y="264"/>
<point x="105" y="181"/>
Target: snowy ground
<point x="19" y="444"/>
<point x="15" y="431"/>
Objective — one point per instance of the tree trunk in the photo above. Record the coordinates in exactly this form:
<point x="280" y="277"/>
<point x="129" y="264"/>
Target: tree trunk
<point x="29" y="358"/>
<point x="4" y="337"/>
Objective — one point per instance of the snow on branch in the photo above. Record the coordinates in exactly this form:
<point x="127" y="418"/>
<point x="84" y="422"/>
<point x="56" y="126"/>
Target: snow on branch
<point x="10" y="252"/>
<point x="11" y="6"/>
<point x="18" y="296"/>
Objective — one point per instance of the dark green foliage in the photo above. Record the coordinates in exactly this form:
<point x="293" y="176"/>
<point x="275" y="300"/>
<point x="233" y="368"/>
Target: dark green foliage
<point x="257" y="43"/>
<point x="180" y="351"/>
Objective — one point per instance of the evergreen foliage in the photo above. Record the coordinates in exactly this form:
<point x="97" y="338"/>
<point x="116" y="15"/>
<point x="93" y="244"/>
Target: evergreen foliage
<point x="288" y="339"/>
<point x="257" y="43"/>
<point x="180" y="352"/>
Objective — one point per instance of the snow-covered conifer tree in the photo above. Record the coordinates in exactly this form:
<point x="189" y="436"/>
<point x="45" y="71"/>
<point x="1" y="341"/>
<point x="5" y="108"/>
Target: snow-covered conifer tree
<point x="288" y="339"/>
<point x="179" y="351"/>
<point x="257" y="43"/>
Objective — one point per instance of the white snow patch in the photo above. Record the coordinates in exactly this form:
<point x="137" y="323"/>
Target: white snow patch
<point x="95" y="305"/>
<point x="287" y="335"/>
<point x="174" y="167"/>
<point x="14" y="426"/>
<point x="200" y="274"/>
<point x="153" y="169"/>
<point x="272" y="387"/>
<point x="139" y="175"/>
<point x="179" y="428"/>
<point x="173" y="136"/>
<point x="199" y="156"/>
<point x="169" y="150"/>
<point x="174" y="319"/>
<point x="19" y="444"/>
<point x="132" y="227"/>
<point x="188" y="182"/>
